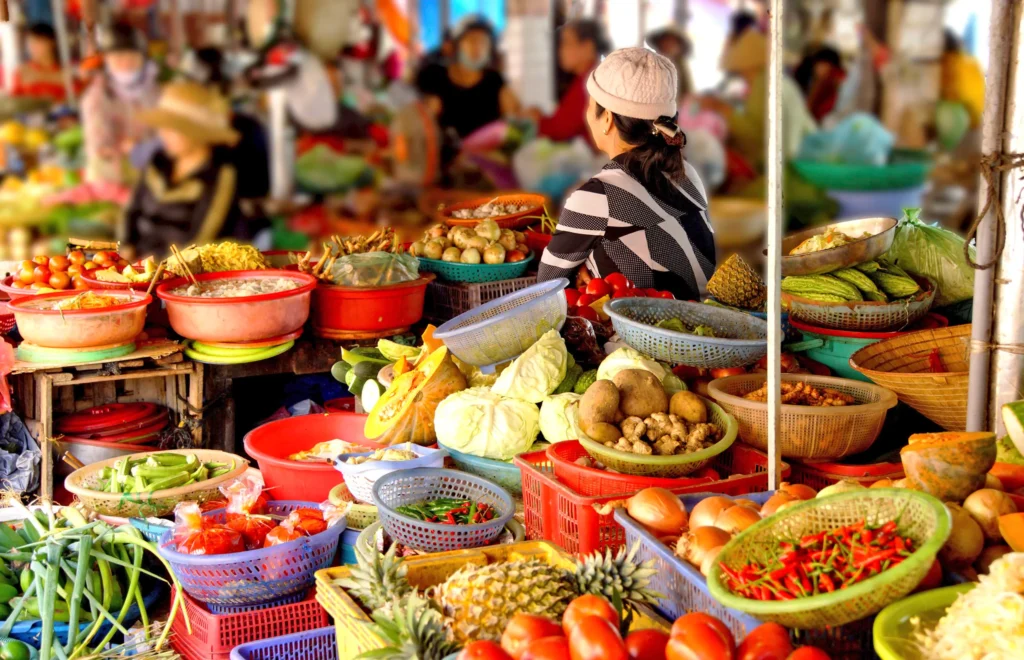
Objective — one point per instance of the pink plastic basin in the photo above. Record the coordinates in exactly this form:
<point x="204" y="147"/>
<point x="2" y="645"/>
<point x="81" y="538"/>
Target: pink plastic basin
<point x="249" y="318"/>
<point x="80" y="328"/>
<point x="271" y="445"/>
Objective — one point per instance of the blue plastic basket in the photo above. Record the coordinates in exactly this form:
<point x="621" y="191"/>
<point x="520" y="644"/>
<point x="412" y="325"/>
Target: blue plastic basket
<point x="319" y="644"/>
<point x="506" y="475"/>
<point x="348" y="545"/>
<point x="254" y="578"/>
<point x="741" y="339"/>
<point x="150" y="530"/>
<point x="424" y="484"/>
<point x="476" y="273"/>
<point x="502" y="329"/>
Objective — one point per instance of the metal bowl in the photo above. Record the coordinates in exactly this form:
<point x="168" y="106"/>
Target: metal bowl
<point x="882" y="231"/>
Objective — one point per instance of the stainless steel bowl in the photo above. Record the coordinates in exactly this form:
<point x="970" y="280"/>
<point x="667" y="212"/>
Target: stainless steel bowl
<point x="881" y="230"/>
<point x="93" y="451"/>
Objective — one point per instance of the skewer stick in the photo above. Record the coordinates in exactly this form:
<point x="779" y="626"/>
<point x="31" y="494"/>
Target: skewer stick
<point x="184" y="266"/>
<point x="156" y="277"/>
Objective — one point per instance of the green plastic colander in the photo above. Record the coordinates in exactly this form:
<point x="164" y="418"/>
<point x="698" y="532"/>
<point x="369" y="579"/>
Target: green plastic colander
<point x="475" y="273"/>
<point x="894" y="629"/>
<point x="919" y="516"/>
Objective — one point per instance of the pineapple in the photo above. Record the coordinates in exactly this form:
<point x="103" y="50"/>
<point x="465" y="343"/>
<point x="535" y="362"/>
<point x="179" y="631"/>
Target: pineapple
<point x="607" y="575"/>
<point x="377" y="581"/>
<point x="736" y="283"/>
<point x="412" y="630"/>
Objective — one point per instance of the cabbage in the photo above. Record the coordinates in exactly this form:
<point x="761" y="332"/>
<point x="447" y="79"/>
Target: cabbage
<point x="537" y="372"/>
<point x="628" y="358"/>
<point x="559" y="417"/>
<point x="480" y="422"/>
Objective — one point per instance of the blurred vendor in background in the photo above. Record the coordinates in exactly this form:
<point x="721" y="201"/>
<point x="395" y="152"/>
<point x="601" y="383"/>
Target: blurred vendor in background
<point x="188" y="193"/>
<point x="111" y="105"/>
<point x="673" y="43"/>
<point x="469" y="92"/>
<point x="41" y="76"/>
<point x="581" y="44"/>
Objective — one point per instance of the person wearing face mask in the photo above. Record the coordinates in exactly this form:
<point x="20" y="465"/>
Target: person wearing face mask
<point x="111" y="105"/>
<point x="468" y="92"/>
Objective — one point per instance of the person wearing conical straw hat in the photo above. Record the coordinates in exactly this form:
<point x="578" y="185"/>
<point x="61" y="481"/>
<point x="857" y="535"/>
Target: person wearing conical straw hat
<point x="188" y="193"/>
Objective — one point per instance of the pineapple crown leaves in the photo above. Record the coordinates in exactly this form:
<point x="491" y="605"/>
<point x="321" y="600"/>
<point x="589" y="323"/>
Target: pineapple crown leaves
<point x="412" y="629"/>
<point x="377" y="579"/>
<point x="617" y="576"/>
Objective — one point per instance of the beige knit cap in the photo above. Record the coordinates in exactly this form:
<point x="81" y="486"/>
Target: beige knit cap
<point x="635" y="82"/>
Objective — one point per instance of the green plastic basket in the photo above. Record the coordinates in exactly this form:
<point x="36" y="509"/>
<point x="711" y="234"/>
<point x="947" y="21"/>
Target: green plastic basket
<point x="920" y="517"/>
<point x="894" y="629"/>
<point x="668" y="467"/>
<point x="475" y="273"/>
<point x="907" y="170"/>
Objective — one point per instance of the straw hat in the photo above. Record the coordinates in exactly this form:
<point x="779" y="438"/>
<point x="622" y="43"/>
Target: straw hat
<point x="195" y="111"/>
<point x="748" y="52"/>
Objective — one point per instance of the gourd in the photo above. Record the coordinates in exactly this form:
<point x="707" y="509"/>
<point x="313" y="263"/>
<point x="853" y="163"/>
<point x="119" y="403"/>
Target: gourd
<point x="405" y="411"/>
<point x="1011" y="527"/>
<point x="949" y="465"/>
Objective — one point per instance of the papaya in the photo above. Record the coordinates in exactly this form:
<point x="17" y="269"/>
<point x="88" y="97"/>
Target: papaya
<point x="949" y="465"/>
<point x="1011" y="527"/>
<point x="405" y="411"/>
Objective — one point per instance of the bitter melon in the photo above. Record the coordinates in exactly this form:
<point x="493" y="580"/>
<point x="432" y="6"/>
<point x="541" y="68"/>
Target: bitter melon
<point x="803" y="285"/>
<point x="863" y="283"/>
<point x="894" y="285"/>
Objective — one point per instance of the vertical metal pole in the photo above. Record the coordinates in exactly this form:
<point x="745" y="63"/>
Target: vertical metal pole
<point x="641" y="23"/>
<point x="775" y="222"/>
<point x="1001" y="29"/>
<point x="9" y="50"/>
<point x="63" y="49"/>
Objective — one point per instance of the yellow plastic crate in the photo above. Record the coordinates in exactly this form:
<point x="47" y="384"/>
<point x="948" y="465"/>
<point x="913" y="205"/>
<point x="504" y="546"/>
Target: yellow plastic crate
<point x="355" y="637"/>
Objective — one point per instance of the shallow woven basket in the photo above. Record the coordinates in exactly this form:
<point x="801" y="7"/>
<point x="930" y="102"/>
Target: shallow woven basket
<point x="668" y="467"/>
<point x="862" y="315"/>
<point x="919" y="516"/>
<point x="901" y="365"/>
<point x="807" y="432"/>
<point x="518" y="220"/>
<point x="155" y="504"/>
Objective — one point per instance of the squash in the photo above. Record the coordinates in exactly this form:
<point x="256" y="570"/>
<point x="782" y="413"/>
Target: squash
<point x="949" y="465"/>
<point x="1011" y="526"/>
<point x="405" y="412"/>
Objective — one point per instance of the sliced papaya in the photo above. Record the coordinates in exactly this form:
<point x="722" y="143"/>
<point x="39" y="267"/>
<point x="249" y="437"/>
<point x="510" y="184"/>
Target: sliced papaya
<point x="1011" y="526"/>
<point x="949" y="465"/>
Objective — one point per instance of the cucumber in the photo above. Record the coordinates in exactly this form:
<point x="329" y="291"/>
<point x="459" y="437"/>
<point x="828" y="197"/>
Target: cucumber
<point x="357" y="386"/>
<point x="339" y="370"/>
<point x="370" y="394"/>
<point x="366" y="370"/>
<point x="572" y="374"/>
<point x="350" y="377"/>
<point x="363" y="354"/>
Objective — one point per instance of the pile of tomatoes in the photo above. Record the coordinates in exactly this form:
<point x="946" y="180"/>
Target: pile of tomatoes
<point x="597" y="289"/>
<point x="590" y="630"/>
<point x="60" y="273"/>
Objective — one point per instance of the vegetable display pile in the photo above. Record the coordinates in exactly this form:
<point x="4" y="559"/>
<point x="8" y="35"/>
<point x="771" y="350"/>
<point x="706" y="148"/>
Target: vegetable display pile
<point x="486" y="243"/>
<point x="326" y="451"/>
<point x="144" y="272"/>
<point x="830" y="238"/>
<point x="58" y="273"/>
<point x="158" y="472"/>
<point x="217" y="258"/>
<point x="588" y="301"/>
<point x="876" y="281"/>
<point x="678" y="326"/>
<point x="448" y="511"/>
<point x="803" y="394"/>
<point x="822" y="562"/>
<point x="85" y="300"/>
<point x="491" y="209"/>
<point x="383" y="455"/>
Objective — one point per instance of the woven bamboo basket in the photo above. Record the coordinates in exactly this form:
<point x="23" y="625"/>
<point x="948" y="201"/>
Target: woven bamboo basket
<point x="901" y="365"/>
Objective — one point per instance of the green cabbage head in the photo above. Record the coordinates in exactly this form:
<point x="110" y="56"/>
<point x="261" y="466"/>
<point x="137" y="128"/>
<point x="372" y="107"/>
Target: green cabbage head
<point x="537" y="372"/>
<point x="629" y="358"/>
<point x="559" y="417"/>
<point x="480" y="422"/>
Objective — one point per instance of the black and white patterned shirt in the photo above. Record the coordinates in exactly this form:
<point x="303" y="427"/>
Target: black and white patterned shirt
<point x="612" y="223"/>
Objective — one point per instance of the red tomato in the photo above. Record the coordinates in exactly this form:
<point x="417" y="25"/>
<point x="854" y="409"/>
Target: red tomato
<point x="666" y="295"/>
<point x="483" y="650"/>
<point x="59" y="280"/>
<point x="89" y="265"/>
<point x="523" y="629"/>
<point x="724" y="372"/>
<point x="102" y="258"/>
<point x="28" y="265"/>
<point x="651" y="293"/>
<point x="646" y="644"/>
<point x="41" y="260"/>
<point x="588" y="605"/>
<point x="618" y="282"/>
<point x="932" y="579"/>
<point x="74" y="271"/>
<point x="596" y="638"/>
<point x="699" y="636"/>
<point x="41" y="274"/>
<point x="572" y="296"/>
<point x="18" y="284"/>
<point x="598" y="288"/>
<point x="769" y="641"/>
<point x="585" y="299"/>
<point x="548" y="648"/>
<point x="638" y="293"/>
<point x="281" y="534"/>
<point x="122" y="264"/>
<point x="26" y="276"/>
<point x="77" y="257"/>
<point x="625" y="293"/>
<point x="59" y="262"/>
<point x="586" y="313"/>
<point x="80" y="284"/>
<point x="707" y="473"/>
<point x="808" y="653"/>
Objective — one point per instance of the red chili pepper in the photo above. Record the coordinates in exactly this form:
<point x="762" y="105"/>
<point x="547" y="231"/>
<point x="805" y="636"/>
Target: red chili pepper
<point x="867" y="536"/>
<point x="889" y="527"/>
<point x="825" y="580"/>
<point x="450" y="518"/>
<point x="935" y="362"/>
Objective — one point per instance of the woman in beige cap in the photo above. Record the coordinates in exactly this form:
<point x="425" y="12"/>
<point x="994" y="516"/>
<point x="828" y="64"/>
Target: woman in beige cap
<point x="645" y="214"/>
<point x="188" y="192"/>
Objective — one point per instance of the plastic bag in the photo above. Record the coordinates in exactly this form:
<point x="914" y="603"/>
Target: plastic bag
<point x="246" y="511"/>
<point x="375" y="269"/>
<point x="860" y="139"/>
<point x="321" y="170"/>
<point x="299" y="523"/>
<point x="19" y="453"/>
<point x="936" y="253"/>
<point x="193" y="536"/>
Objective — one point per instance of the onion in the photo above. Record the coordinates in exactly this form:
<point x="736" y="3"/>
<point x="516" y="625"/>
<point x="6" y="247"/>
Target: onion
<point x="658" y="510"/>
<point x="985" y="506"/>
<point x="709" y="560"/>
<point x="750" y="504"/>
<point x="965" y="542"/>
<point x="735" y="519"/>
<point x="989" y="555"/>
<point x="798" y="491"/>
<point x="993" y="482"/>
<point x="786" y="505"/>
<point x="694" y="545"/>
<point x="706" y="511"/>
<point x="844" y="486"/>
<point x="775" y="501"/>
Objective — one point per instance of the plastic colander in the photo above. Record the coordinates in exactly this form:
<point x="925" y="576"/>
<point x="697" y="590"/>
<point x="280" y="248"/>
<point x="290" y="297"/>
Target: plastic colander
<point x="424" y="484"/>
<point x="502" y="329"/>
<point x="476" y="273"/>
<point x="361" y="476"/>
<point x="740" y="339"/>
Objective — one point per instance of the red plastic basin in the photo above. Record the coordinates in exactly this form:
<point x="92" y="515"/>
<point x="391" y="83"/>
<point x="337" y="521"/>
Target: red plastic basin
<point x="368" y="309"/>
<point x="271" y="445"/>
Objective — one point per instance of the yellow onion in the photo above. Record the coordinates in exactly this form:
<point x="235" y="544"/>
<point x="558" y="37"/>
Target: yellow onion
<point x="989" y="555"/>
<point x="735" y="519"/>
<point x="658" y="510"/>
<point x="775" y="501"/>
<point x="985" y="506"/>
<point x="750" y="504"/>
<point x="786" y="505"/>
<point x="693" y="546"/>
<point x="707" y="510"/>
<point x="797" y="491"/>
<point x="709" y="560"/>
<point x="965" y="542"/>
<point x="993" y="482"/>
<point x="843" y="486"/>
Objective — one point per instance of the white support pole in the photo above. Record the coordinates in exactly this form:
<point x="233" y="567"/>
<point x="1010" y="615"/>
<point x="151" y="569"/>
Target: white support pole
<point x="775" y="222"/>
<point x="63" y="49"/>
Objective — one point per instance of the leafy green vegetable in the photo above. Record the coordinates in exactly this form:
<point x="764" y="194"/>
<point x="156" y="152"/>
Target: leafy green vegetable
<point x="559" y="417"/>
<point x="537" y="372"/>
<point x="480" y="422"/>
<point x="628" y="358"/>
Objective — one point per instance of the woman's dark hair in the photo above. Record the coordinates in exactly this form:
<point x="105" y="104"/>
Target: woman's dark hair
<point x="950" y="42"/>
<point x="587" y="29"/>
<point x="656" y="159"/>
<point x="43" y="31"/>
<point x="476" y="24"/>
<point x="739" y="23"/>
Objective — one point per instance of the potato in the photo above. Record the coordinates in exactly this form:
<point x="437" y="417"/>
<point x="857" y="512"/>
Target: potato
<point x="640" y="393"/>
<point x="602" y="432"/>
<point x="688" y="407"/>
<point x="600" y="403"/>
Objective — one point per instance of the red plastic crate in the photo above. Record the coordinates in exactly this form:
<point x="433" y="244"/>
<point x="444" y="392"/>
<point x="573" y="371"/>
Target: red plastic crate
<point x="213" y="636"/>
<point x="556" y="512"/>
<point x="819" y="475"/>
